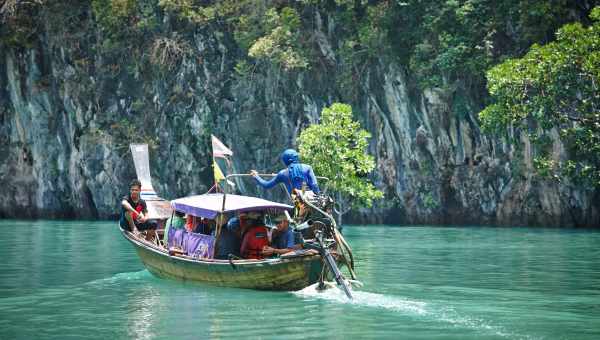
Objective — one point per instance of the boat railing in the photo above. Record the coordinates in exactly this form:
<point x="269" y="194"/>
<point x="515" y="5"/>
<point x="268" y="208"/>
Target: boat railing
<point x="267" y="175"/>
<point x="233" y="176"/>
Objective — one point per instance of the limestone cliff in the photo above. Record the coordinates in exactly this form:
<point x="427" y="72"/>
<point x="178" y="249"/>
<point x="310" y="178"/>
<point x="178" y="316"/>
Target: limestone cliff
<point x="69" y="111"/>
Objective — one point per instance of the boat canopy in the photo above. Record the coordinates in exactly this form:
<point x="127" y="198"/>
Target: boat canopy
<point x="209" y="205"/>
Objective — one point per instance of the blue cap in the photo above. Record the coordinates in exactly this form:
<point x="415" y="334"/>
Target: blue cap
<point x="233" y="224"/>
<point x="290" y="156"/>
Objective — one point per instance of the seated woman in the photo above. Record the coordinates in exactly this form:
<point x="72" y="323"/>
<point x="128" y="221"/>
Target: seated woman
<point x="174" y="222"/>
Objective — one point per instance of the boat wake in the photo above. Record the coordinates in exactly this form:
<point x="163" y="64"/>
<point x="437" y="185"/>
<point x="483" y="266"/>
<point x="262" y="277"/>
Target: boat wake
<point x="451" y="316"/>
<point x="121" y="277"/>
<point x="366" y="299"/>
<point x="426" y="310"/>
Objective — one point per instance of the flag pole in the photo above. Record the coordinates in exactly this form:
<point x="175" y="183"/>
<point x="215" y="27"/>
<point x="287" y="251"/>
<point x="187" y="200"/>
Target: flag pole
<point x="214" y="162"/>
<point x="219" y="150"/>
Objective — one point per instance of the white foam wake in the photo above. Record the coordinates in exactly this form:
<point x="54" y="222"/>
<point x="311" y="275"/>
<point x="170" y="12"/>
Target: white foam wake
<point x="120" y="277"/>
<point x="435" y="311"/>
<point x="366" y="299"/>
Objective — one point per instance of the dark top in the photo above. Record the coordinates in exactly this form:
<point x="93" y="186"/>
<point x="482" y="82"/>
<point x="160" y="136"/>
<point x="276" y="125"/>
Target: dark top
<point x="203" y="228"/>
<point x="228" y="243"/>
<point x="139" y="206"/>
<point x="283" y="240"/>
<point x="135" y="206"/>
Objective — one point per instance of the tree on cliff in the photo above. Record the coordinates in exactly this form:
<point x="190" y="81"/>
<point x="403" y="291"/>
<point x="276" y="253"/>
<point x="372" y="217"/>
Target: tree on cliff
<point x="337" y="149"/>
<point x="554" y="87"/>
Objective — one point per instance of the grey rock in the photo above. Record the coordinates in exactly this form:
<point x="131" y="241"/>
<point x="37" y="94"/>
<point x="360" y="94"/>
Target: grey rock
<point x="65" y="131"/>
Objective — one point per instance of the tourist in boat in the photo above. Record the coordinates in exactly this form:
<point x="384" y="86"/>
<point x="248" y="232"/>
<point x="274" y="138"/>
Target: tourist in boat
<point x="255" y="235"/>
<point x="229" y="243"/>
<point x="205" y="226"/>
<point x="283" y="239"/>
<point x="293" y="176"/>
<point x="177" y="221"/>
<point x="190" y="223"/>
<point x="134" y="211"/>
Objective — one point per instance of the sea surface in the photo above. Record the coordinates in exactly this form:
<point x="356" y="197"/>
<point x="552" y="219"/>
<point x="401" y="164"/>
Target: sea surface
<point x="82" y="280"/>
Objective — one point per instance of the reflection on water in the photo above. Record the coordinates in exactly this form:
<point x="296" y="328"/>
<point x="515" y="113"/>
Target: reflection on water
<point x="142" y="309"/>
<point x="82" y="280"/>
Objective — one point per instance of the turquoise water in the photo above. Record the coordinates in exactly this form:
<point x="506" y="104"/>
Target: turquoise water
<point x="74" y="280"/>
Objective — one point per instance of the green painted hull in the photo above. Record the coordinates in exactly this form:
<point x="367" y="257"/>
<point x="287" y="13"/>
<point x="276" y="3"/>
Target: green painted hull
<point x="293" y="273"/>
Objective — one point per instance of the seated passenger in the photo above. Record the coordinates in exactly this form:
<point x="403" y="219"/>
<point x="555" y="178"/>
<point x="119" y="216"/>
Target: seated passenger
<point x="174" y="222"/>
<point x="134" y="211"/>
<point x="190" y="223"/>
<point x="283" y="239"/>
<point x="229" y="242"/>
<point x="205" y="226"/>
<point x="255" y="236"/>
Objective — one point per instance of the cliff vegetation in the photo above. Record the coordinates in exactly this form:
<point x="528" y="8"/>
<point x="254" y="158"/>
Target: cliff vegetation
<point x="80" y="81"/>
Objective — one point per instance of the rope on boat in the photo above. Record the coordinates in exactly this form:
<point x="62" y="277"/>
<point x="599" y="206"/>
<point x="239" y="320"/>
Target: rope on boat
<point x="340" y="240"/>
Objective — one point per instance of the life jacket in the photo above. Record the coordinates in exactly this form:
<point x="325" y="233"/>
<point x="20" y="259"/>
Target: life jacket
<point x="255" y="239"/>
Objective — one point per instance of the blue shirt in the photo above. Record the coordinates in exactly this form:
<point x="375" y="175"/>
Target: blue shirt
<point x="283" y="240"/>
<point x="284" y="177"/>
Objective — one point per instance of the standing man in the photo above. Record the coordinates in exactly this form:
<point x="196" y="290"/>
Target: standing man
<point x="293" y="177"/>
<point x="134" y="210"/>
<point x="283" y="240"/>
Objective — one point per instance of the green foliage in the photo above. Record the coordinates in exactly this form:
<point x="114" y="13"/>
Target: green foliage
<point x="125" y="27"/>
<point x="197" y="13"/>
<point x="444" y="43"/>
<point x="113" y="15"/>
<point x="243" y="68"/>
<point x="457" y="40"/>
<point x="337" y="149"/>
<point x="125" y="132"/>
<point x="19" y="22"/>
<point x="554" y="86"/>
<point x="264" y="29"/>
<point x="429" y="202"/>
<point x="279" y="44"/>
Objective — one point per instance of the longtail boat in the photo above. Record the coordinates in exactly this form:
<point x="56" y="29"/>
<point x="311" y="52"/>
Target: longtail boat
<point x="193" y="259"/>
<point x="292" y="271"/>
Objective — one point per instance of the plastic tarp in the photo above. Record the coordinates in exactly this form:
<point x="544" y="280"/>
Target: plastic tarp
<point x="195" y="245"/>
<point x="210" y="205"/>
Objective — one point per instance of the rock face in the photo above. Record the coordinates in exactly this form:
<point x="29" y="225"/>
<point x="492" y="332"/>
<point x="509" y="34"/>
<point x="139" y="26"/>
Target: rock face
<point x="66" y="122"/>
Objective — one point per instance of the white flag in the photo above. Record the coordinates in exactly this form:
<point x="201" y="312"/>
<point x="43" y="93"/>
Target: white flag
<point x="219" y="149"/>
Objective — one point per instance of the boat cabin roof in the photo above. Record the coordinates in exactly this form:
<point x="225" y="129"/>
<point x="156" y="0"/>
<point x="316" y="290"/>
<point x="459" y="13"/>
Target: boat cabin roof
<point x="210" y="205"/>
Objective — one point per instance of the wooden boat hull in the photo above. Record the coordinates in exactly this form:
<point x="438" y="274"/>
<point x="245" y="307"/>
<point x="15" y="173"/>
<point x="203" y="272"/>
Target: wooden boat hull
<point x="293" y="273"/>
